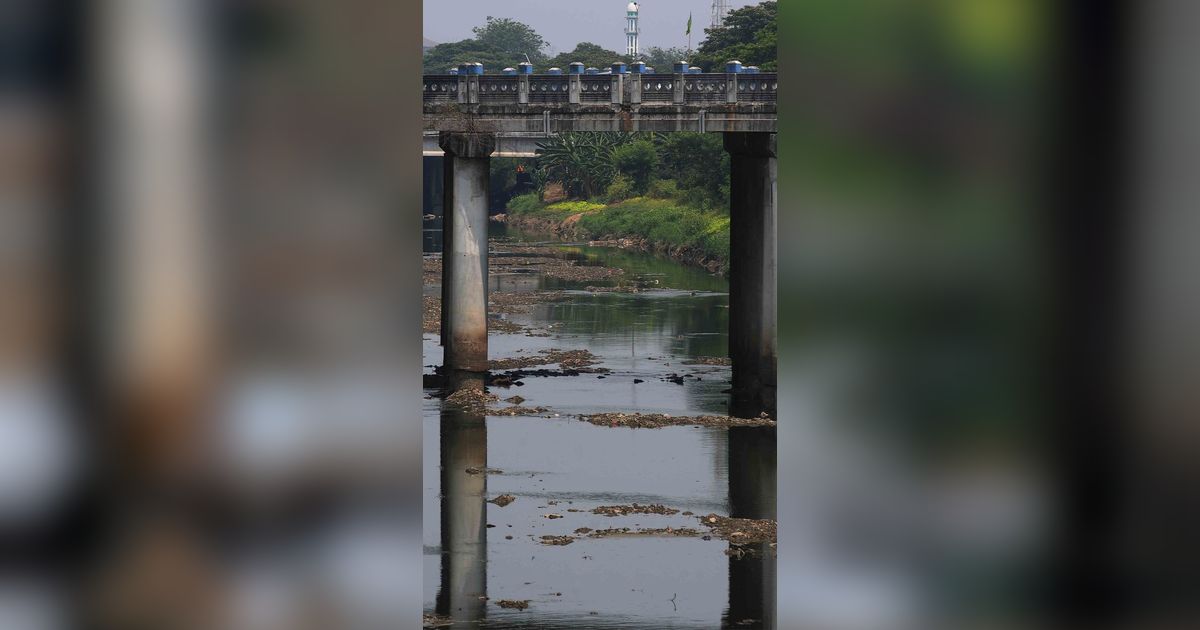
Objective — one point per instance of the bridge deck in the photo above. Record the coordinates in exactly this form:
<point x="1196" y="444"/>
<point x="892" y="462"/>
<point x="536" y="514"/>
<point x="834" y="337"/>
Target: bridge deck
<point x="527" y="108"/>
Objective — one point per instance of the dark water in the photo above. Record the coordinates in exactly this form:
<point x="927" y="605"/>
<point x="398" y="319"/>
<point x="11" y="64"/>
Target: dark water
<point x="626" y="582"/>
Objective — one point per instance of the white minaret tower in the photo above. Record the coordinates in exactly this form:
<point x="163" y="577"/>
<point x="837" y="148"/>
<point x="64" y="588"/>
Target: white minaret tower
<point x="631" y="29"/>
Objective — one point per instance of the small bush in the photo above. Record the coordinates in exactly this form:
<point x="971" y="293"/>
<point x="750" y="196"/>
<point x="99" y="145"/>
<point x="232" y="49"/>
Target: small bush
<point x="574" y="207"/>
<point x="620" y="189"/>
<point x="663" y="189"/>
<point x="524" y="204"/>
<point x="637" y="160"/>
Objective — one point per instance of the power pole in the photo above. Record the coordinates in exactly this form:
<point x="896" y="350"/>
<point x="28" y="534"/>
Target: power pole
<point x="720" y="8"/>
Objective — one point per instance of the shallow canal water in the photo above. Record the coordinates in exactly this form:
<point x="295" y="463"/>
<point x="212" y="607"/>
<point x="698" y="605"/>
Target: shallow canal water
<point x="560" y="468"/>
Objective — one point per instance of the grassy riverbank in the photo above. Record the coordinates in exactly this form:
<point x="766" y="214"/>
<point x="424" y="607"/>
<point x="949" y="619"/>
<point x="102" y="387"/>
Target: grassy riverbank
<point x="683" y="232"/>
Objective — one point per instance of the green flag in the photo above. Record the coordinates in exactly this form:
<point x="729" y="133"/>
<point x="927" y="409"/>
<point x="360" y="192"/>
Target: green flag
<point x="689" y="28"/>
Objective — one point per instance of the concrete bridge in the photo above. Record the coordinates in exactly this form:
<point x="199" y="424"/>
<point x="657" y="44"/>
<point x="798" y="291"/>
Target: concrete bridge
<point x="522" y="109"/>
<point x="472" y="116"/>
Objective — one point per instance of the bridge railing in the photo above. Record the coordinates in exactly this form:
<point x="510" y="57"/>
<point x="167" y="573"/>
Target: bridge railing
<point x="440" y="88"/>
<point x="498" y="89"/>
<point x="548" y="89"/>
<point x="705" y="88"/>
<point x="656" y="88"/>
<point x="596" y="89"/>
<point x="758" y="87"/>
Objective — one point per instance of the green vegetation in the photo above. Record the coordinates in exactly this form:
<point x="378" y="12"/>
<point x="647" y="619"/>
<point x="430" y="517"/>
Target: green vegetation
<point x="512" y="37"/>
<point x="671" y="189"/>
<point x="637" y="161"/>
<point x="590" y="55"/>
<point x="662" y="59"/>
<point x="498" y="44"/>
<point x="590" y="166"/>
<point x="441" y="58"/>
<point x="530" y="206"/>
<point x="527" y="204"/>
<point x="574" y="207"/>
<point x="748" y="35"/>
<point x="698" y="165"/>
<point x="620" y="189"/>
<point x="660" y="221"/>
<point x="583" y="163"/>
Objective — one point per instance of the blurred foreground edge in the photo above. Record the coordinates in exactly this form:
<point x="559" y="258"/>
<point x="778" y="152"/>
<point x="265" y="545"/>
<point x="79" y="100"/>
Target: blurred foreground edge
<point x="211" y="272"/>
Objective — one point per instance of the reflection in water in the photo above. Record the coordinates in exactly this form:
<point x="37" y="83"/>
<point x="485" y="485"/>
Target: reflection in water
<point x="752" y="578"/>
<point x="624" y="583"/>
<point x="463" y="508"/>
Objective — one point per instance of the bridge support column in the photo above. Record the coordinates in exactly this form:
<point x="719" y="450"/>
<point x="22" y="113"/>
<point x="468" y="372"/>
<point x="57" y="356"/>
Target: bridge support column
<point x="753" y="289"/>
<point x="464" y="250"/>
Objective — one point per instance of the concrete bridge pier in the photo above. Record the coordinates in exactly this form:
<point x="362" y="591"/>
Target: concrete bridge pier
<point x="753" y="288"/>
<point x="464" y="249"/>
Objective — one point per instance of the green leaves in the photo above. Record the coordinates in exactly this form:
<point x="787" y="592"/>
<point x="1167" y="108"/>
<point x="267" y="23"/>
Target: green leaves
<point x="590" y="55"/>
<point x="512" y="37"/>
<point x="498" y="44"/>
<point x="749" y="34"/>
<point x="638" y="160"/>
<point x="583" y="162"/>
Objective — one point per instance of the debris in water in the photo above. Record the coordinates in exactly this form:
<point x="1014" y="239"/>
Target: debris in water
<point x="519" y="604"/>
<point x="708" y="361"/>
<point x="741" y="531"/>
<point x="657" y="531"/>
<point x="517" y="411"/>
<point x="623" y="510"/>
<point x="471" y="399"/>
<point x="659" y="420"/>
<point x="572" y="359"/>
<point x="483" y="471"/>
<point x="503" y="500"/>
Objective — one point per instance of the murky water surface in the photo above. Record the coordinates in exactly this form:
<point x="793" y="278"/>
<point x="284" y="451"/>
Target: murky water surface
<point x="562" y="467"/>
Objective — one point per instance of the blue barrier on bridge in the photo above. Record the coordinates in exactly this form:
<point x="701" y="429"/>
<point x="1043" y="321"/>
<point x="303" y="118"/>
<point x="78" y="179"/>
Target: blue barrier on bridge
<point x="635" y="84"/>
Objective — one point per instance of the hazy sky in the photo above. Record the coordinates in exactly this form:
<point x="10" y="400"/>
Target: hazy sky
<point x="565" y="23"/>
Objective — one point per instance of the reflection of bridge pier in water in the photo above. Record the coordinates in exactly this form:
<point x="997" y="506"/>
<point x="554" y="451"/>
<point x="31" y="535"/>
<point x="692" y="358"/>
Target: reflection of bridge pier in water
<point x="463" y="512"/>
<point x="752" y="486"/>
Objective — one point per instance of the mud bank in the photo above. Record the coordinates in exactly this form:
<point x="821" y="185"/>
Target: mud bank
<point x="570" y="229"/>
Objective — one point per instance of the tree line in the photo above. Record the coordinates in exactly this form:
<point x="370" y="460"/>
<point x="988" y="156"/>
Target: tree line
<point x="748" y="35"/>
